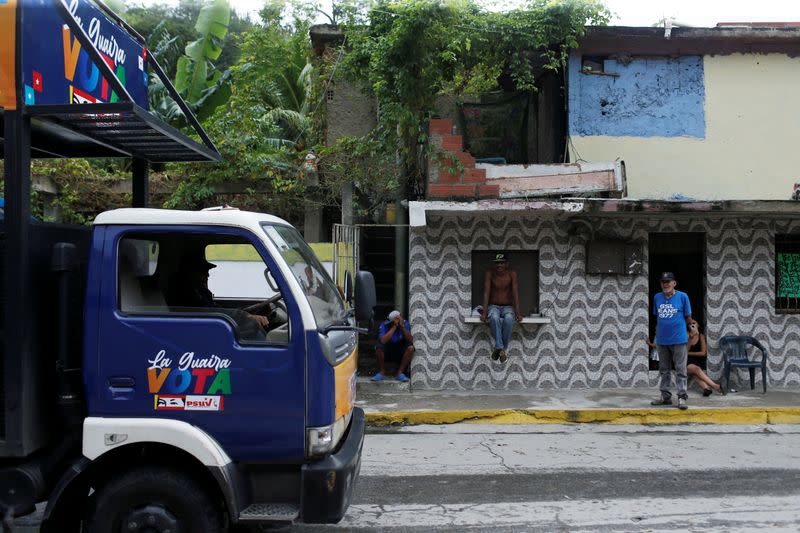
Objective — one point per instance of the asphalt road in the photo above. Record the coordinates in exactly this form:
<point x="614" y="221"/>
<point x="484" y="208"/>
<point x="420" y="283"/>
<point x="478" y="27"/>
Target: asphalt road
<point x="575" y="478"/>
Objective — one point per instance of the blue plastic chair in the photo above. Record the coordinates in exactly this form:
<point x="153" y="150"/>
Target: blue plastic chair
<point x="734" y="354"/>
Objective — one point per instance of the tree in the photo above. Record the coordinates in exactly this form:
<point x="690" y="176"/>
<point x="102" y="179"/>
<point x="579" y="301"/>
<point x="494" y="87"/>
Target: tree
<point x="179" y="22"/>
<point x="275" y="74"/>
<point x="264" y="128"/>
<point x="196" y="79"/>
<point x="201" y="74"/>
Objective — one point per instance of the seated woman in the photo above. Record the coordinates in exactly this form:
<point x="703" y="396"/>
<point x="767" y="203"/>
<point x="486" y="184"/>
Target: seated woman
<point x="698" y="352"/>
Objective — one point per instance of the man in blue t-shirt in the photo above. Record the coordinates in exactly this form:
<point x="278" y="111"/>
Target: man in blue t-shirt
<point x="673" y="314"/>
<point x="395" y="342"/>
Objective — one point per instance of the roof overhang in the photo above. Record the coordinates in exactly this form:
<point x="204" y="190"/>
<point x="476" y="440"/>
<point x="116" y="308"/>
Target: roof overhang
<point x="606" y="40"/>
<point x="572" y="207"/>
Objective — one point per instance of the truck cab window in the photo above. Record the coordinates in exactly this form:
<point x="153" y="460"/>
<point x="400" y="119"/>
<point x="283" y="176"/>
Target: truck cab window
<point x="320" y="290"/>
<point x="219" y="275"/>
<point x="137" y="290"/>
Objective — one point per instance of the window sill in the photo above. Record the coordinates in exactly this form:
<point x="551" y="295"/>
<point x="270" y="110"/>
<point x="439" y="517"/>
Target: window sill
<point x="536" y="319"/>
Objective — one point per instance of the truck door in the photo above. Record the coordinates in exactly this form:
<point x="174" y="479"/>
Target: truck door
<point x="169" y="347"/>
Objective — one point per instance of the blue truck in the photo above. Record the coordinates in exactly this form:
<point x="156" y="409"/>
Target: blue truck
<point x="132" y="397"/>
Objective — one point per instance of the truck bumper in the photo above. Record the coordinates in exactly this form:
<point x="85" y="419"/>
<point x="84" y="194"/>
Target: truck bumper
<point x="327" y="485"/>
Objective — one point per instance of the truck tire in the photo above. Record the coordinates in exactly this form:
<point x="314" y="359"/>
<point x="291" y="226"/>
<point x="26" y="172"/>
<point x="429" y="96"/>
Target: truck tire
<point x="153" y="500"/>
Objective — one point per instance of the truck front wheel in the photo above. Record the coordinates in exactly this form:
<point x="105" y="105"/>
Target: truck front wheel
<point x="158" y="500"/>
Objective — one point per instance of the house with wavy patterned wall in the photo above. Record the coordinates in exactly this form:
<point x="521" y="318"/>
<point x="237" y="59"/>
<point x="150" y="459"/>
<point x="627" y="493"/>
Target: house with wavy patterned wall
<point x="657" y="149"/>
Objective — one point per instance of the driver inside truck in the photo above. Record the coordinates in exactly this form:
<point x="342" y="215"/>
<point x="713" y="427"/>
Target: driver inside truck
<point x="189" y="286"/>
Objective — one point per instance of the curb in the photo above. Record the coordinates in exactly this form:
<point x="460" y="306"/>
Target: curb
<point x="659" y="416"/>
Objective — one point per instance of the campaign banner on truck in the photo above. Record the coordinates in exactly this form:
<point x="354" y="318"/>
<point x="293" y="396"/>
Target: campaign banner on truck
<point x="57" y="69"/>
<point x="8" y="22"/>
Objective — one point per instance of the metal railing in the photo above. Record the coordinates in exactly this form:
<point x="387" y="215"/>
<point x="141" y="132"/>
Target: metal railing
<point x="346" y="253"/>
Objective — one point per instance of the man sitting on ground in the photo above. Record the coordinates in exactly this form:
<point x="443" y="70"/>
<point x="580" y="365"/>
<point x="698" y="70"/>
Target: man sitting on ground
<point x="396" y="342"/>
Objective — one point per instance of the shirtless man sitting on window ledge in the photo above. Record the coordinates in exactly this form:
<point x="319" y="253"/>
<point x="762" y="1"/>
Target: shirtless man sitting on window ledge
<point x="500" y="304"/>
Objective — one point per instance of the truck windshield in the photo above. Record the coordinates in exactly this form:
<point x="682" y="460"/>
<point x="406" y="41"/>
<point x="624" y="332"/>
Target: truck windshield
<point x="321" y="292"/>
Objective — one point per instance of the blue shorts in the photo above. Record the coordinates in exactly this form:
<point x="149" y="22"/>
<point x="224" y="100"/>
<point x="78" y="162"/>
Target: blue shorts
<point x="394" y="350"/>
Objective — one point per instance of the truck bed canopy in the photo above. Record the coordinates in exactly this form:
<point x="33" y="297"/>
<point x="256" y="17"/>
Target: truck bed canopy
<point x="86" y="94"/>
<point x="120" y="129"/>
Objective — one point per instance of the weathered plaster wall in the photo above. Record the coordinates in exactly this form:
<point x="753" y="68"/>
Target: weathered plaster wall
<point x="349" y="112"/>
<point x="649" y="97"/>
<point x="751" y="130"/>
<point x="598" y="323"/>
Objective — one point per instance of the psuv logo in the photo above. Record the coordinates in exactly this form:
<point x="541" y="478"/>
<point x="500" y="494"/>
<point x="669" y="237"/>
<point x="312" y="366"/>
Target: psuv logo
<point x="170" y="403"/>
<point x="189" y="403"/>
<point x="204" y="403"/>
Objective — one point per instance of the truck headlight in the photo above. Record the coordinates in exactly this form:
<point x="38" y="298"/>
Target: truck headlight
<point x="322" y="440"/>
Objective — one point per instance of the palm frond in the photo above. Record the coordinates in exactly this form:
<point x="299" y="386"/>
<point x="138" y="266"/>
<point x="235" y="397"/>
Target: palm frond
<point x="288" y="120"/>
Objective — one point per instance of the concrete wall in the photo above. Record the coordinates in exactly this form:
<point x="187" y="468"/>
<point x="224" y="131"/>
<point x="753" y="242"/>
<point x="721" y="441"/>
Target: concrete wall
<point x="598" y="322"/>
<point x="736" y="145"/>
<point x="349" y="112"/>
<point x="649" y="97"/>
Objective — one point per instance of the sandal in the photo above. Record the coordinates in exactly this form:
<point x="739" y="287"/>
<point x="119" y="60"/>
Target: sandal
<point x="707" y="392"/>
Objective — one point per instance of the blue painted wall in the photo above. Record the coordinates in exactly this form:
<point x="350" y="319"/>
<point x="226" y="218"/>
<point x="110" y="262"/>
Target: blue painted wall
<point x="650" y="97"/>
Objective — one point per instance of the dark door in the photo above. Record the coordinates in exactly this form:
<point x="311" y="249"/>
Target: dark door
<point x="683" y="254"/>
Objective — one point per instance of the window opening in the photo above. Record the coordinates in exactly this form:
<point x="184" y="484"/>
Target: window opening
<point x="593" y="64"/>
<point x="524" y="262"/>
<point x="787" y="274"/>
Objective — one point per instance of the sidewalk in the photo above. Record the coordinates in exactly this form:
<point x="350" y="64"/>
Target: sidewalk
<point x="392" y="403"/>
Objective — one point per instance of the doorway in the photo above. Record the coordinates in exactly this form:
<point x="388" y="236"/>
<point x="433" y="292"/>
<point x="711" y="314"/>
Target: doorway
<point x="684" y="254"/>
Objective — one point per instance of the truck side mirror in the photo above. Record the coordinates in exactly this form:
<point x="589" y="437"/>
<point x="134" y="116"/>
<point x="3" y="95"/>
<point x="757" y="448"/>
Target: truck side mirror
<point x="364" y="295"/>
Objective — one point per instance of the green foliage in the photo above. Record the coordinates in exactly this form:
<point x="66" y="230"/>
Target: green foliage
<point x="364" y="162"/>
<point x="66" y="201"/>
<point x="263" y="129"/>
<point x="410" y="52"/>
<point x="196" y="79"/>
<point x="84" y="189"/>
<point x="274" y="78"/>
<point x="179" y="22"/>
<point x="169" y="30"/>
<point x="166" y="48"/>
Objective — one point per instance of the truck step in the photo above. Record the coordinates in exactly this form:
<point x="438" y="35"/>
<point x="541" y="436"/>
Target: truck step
<point x="270" y="512"/>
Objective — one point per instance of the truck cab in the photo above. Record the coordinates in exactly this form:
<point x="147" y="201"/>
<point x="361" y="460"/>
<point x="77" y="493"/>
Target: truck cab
<point x="163" y="370"/>
<point x="167" y="369"/>
<point x="218" y="370"/>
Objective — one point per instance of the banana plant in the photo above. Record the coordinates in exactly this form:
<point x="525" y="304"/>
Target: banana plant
<point x="202" y="85"/>
<point x="165" y="47"/>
